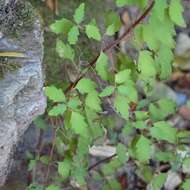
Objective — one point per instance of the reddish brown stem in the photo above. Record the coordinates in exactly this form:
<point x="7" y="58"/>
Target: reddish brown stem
<point x="111" y="45"/>
<point x="101" y="161"/>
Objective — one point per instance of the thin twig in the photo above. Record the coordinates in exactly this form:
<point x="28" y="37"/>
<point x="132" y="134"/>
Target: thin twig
<point x="111" y="45"/>
<point x="101" y="161"/>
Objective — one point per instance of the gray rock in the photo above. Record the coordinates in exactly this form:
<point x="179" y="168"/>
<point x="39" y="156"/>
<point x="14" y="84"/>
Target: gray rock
<point x="21" y="91"/>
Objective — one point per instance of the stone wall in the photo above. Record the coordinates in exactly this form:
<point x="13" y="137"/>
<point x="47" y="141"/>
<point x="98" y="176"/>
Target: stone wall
<point x="21" y="90"/>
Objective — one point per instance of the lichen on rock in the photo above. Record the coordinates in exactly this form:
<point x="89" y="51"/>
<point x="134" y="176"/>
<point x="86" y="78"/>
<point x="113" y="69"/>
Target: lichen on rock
<point x="16" y="16"/>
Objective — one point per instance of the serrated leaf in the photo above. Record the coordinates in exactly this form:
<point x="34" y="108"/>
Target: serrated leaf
<point x="128" y="129"/>
<point x="92" y="31"/>
<point x="65" y="50"/>
<point x="176" y="12"/>
<point x="146" y="65"/>
<point x="141" y="3"/>
<point x="121" y="105"/>
<point x="167" y="29"/>
<point x="79" y="13"/>
<point x="141" y="115"/>
<point x="159" y="9"/>
<point x="186" y="184"/>
<point x="158" y="181"/>
<point x="164" y="156"/>
<point x="40" y="123"/>
<point x="164" y="61"/>
<point x="140" y="125"/>
<point x="32" y="164"/>
<point x="64" y="168"/>
<point x="164" y="131"/>
<point x="79" y="124"/>
<point x="186" y="164"/>
<point x="121" y="3"/>
<point x="143" y="149"/>
<point x="122" y="153"/>
<point x="85" y="85"/>
<point x="57" y="110"/>
<point x="61" y="26"/>
<point x="74" y="103"/>
<point x="52" y="187"/>
<point x="79" y="174"/>
<point x="54" y="94"/>
<point x="149" y="37"/>
<point x="102" y="66"/>
<point x="107" y="91"/>
<point x="162" y="109"/>
<point x="93" y="101"/>
<point x="113" y="23"/>
<point x="123" y="76"/>
<point x="73" y="35"/>
<point x="129" y="91"/>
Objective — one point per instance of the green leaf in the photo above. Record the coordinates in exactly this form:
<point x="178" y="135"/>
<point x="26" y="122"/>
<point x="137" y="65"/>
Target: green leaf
<point x="188" y="104"/>
<point x="79" y="13"/>
<point x="158" y="181"/>
<point x="121" y="105"/>
<point x="159" y="9"/>
<point x="57" y="110"/>
<point x="73" y="35"/>
<point x="32" y="164"/>
<point x="65" y="50"/>
<point x="127" y="130"/>
<point x="92" y="31"/>
<point x="107" y="91"/>
<point x="64" y="168"/>
<point x="164" y="156"/>
<point x="78" y="124"/>
<point x="164" y="60"/>
<point x="141" y="115"/>
<point x="54" y="94"/>
<point x="141" y="3"/>
<point x="162" y="109"/>
<point x="143" y="149"/>
<point x="114" y="184"/>
<point x="113" y="23"/>
<point x="122" y="153"/>
<point x="167" y="29"/>
<point x="102" y="66"/>
<point x="150" y="37"/>
<point x="93" y="101"/>
<point x="186" y="184"/>
<point x="140" y="125"/>
<point x="52" y="187"/>
<point x="85" y="86"/>
<point x="61" y="26"/>
<point x="129" y="91"/>
<point x="164" y="131"/>
<point x="108" y="169"/>
<point x="121" y="3"/>
<point x="79" y="174"/>
<point x="146" y="65"/>
<point x="176" y="12"/>
<point x="186" y="164"/>
<point x="45" y="159"/>
<point x="123" y="76"/>
<point x="74" y="103"/>
<point x="40" y="123"/>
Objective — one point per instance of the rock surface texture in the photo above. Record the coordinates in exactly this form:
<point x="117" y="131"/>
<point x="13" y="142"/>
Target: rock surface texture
<point x="21" y="91"/>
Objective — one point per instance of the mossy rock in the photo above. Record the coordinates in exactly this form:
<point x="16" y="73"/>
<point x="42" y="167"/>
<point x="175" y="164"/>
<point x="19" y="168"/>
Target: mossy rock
<point x="16" y="16"/>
